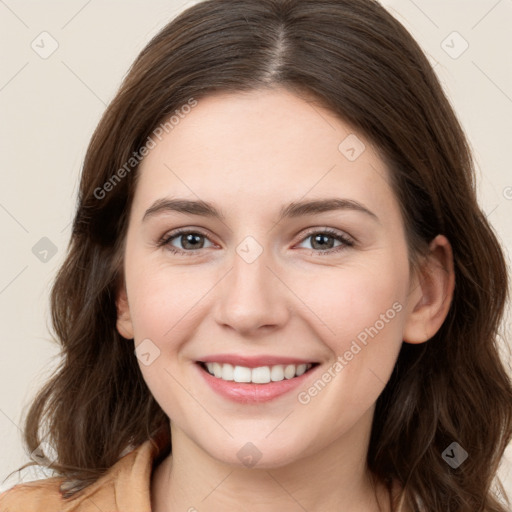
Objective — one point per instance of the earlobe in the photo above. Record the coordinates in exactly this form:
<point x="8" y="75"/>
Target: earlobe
<point x="124" y="321"/>
<point x="432" y="293"/>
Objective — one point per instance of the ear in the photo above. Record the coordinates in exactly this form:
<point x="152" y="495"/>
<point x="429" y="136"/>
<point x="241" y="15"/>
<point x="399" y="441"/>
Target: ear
<point x="431" y="292"/>
<point x="124" y="322"/>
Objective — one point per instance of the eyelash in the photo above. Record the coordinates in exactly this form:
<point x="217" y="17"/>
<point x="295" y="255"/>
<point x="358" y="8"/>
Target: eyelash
<point x="346" y="242"/>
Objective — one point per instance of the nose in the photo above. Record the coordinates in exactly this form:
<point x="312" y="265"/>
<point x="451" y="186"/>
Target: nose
<point x="253" y="297"/>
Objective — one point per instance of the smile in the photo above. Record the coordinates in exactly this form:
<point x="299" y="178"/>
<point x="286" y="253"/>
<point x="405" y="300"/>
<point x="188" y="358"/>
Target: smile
<point x="258" y="375"/>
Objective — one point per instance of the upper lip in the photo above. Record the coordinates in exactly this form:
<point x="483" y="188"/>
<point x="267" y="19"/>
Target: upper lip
<point x="253" y="361"/>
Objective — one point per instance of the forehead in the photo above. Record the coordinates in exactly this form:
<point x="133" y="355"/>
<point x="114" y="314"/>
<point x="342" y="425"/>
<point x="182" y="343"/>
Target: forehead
<point x="262" y="148"/>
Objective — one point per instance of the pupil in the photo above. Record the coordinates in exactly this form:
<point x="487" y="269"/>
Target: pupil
<point x="320" y="238"/>
<point x="191" y="238"/>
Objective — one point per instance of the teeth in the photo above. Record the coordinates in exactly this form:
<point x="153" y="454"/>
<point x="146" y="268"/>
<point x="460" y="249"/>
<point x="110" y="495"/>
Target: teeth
<point x="289" y="371"/>
<point x="217" y="370"/>
<point x="241" y="374"/>
<point x="301" y="369"/>
<point x="277" y="373"/>
<point x="260" y="375"/>
<point x="227" y="372"/>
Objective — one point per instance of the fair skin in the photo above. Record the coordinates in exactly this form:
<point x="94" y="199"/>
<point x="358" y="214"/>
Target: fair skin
<point x="250" y="154"/>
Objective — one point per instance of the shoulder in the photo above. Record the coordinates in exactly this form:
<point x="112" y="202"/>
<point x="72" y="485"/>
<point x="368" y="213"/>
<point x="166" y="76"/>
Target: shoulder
<point x="37" y="496"/>
<point x="125" y="486"/>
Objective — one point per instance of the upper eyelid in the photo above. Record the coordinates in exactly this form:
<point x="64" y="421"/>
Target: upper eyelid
<point x="308" y="232"/>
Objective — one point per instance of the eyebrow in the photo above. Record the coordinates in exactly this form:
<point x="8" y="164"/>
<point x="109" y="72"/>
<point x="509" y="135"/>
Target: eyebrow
<point x="293" y="210"/>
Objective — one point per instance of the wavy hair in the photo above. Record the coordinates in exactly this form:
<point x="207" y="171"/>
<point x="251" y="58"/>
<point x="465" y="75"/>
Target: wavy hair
<point x="357" y="60"/>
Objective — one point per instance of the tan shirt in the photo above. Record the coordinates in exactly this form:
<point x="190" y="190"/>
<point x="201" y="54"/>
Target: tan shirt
<point x="124" y="488"/>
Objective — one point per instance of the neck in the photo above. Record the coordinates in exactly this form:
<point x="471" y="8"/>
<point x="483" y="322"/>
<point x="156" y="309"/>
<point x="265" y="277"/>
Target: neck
<point x="192" y="480"/>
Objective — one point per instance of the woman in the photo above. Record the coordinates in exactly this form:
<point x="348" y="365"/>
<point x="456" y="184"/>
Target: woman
<point x="357" y="372"/>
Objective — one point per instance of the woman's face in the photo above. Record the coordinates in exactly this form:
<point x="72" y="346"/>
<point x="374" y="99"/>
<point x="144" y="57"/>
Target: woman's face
<point x="271" y="283"/>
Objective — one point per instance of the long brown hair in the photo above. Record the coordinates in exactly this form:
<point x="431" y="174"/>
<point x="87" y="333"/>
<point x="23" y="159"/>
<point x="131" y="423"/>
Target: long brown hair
<point x="354" y="58"/>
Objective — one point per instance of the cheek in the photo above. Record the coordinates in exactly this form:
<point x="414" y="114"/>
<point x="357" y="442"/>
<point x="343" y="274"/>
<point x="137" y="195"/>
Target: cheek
<point x="164" y="299"/>
<point x="355" y="303"/>
<point x="367" y="320"/>
<point x="360" y="314"/>
<point x="164" y="316"/>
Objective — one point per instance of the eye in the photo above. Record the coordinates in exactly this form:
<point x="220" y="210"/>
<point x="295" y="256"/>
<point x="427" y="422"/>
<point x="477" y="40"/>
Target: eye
<point x="191" y="241"/>
<point x="324" y="240"/>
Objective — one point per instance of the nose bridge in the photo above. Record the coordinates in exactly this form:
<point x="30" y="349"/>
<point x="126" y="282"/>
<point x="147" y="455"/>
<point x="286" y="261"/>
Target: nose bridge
<point x="251" y="296"/>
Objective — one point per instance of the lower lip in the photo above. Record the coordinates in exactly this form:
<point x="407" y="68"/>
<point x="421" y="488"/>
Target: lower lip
<point x="244" y="392"/>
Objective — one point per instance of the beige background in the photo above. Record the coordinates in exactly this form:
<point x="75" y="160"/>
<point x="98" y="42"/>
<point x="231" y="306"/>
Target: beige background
<point x="50" y="104"/>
